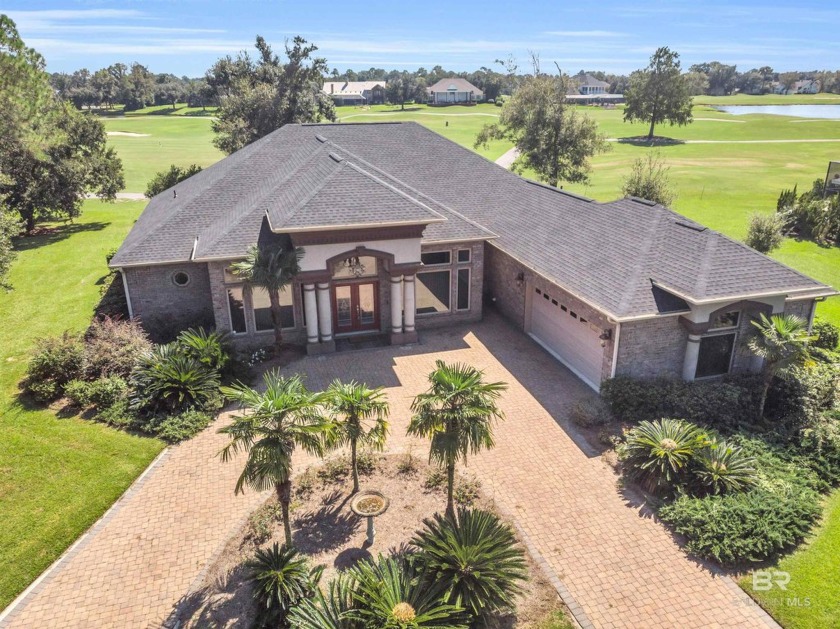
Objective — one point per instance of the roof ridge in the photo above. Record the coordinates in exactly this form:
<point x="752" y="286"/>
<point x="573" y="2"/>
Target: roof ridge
<point x="413" y="189"/>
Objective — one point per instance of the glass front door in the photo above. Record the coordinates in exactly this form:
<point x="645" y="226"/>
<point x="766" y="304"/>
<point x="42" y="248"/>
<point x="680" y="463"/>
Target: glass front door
<point x="356" y="307"/>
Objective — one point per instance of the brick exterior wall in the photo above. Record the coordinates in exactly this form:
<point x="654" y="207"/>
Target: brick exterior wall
<point x="651" y="348"/>
<point x="801" y="308"/>
<point x="164" y="308"/>
<point x="476" y="264"/>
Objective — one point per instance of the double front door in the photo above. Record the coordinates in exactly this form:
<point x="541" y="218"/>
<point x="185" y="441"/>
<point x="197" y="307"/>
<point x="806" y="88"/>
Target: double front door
<point x="356" y="307"/>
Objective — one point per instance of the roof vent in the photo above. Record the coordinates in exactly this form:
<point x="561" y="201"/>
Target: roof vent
<point x="642" y="201"/>
<point x="336" y="158"/>
<point x="320" y="138"/>
<point x="692" y="226"/>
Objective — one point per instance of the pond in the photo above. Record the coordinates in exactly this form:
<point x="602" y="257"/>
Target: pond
<point x="827" y="112"/>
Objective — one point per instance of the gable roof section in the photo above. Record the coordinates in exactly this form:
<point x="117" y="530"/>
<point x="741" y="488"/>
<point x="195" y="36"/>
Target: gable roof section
<point x="351" y="88"/>
<point x="619" y="257"/>
<point x="455" y="84"/>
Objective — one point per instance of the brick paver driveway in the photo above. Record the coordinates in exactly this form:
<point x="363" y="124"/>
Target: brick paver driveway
<point x="616" y="566"/>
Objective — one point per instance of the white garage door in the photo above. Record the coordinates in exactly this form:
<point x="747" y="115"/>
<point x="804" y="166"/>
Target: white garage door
<point x="569" y="337"/>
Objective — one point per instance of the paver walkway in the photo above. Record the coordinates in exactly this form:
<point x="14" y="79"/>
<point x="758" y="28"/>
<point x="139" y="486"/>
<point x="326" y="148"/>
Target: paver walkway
<point x="620" y="567"/>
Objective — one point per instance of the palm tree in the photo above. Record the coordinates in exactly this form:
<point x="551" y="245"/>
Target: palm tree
<point x="360" y="416"/>
<point x="272" y="269"/>
<point x="782" y="342"/>
<point x="283" y="579"/>
<point x="281" y="418"/>
<point x="457" y="414"/>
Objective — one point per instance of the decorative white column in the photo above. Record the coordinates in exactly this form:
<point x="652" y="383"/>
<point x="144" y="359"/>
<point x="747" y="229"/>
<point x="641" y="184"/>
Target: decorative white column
<point x="396" y="304"/>
<point x="409" y="307"/>
<point x="324" y="312"/>
<point x="692" y="352"/>
<point x="310" y="308"/>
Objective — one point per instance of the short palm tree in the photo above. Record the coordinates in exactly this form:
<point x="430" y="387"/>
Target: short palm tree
<point x="725" y="468"/>
<point x="273" y="269"/>
<point x="476" y="559"/>
<point x="278" y="420"/>
<point x="333" y="609"/>
<point x="457" y="413"/>
<point x="391" y="593"/>
<point x="360" y="416"/>
<point x="283" y="579"/>
<point x="782" y="342"/>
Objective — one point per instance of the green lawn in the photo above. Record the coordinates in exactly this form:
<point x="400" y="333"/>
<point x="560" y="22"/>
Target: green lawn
<point x="57" y="476"/>
<point x="812" y="598"/>
<point x="165" y="140"/>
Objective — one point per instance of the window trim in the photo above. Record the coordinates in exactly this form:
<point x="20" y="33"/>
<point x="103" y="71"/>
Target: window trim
<point x="729" y="327"/>
<point x="180" y="272"/>
<point x="458" y="291"/>
<point x="230" y="312"/>
<point x="458" y="253"/>
<point x="728" y="332"/>
<point x="436" y="269"/>
<point x="436" y="264"/>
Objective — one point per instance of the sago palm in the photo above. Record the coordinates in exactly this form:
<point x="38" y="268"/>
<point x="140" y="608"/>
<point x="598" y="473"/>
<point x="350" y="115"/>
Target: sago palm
<point x="657" y="454"/>
<point x="333" y="609"/>
<point x="391" y="593"/>
<point x="781" y="340"/>
<point x="273" y="269"/>
<point x="457" y="413"/>
<point x="277" y="420"/>
<point x="722" y="467"/>
<point x="283" y="579"/>
<point x="360" y="416"/>
<point x="476" y="560"/>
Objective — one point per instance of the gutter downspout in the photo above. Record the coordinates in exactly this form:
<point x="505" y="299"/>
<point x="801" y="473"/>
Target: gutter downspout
<point x="615" y="349"/>
<point x="127" y="294"/>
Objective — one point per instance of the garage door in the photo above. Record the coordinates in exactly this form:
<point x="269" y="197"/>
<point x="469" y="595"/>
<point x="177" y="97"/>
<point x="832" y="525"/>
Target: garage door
<point x="568" y="336"/>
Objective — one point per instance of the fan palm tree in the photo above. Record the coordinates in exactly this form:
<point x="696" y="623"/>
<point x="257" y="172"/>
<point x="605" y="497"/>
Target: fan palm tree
<point x="782" y="342"/>
<point x="360" y="416"/>
<point x="457" y="414"/>
<point x="278" y="420"/>
<point x="476" y="559"/>
<point x="272" y="269"/>
<point x="283" y="579"/>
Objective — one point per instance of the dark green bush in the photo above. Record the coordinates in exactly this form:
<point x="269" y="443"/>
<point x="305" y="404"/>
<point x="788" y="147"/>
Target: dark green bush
<point x="803" y="392"/>
<point x="112" y="347"/>
<point x="56" y="361"/>
<point x="731" y="402"/>
<point x="102" y="393"/>
<point x="180" y="427"/>
<point x="118" y="415"/>
<point x="764" y="233"/>
<point x="165" y="381"/>
<point x="820" y="443"/>
<point x="209" y="348"/>
<point x="746" y="527"/>
<point x="821" y="355"/>
<point x="828" y="335"/>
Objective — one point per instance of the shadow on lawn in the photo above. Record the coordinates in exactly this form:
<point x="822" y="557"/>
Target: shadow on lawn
<point x="44" y="236"/>
<point x="644" y="141"/>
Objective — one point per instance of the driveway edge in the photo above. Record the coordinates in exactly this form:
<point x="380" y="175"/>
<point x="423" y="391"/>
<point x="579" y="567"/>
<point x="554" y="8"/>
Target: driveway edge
<point x="47" y="575"/>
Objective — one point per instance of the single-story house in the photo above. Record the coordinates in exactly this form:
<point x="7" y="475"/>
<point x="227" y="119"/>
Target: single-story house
<point x="356" y="92"/>
<point x="454" y="90"/>
<point x="405" y="230"/>
<point x="587" y="90"/>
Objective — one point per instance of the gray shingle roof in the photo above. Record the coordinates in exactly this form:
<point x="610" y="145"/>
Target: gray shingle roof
<point x="613" y="255"/>
<point x="455" y="84"/>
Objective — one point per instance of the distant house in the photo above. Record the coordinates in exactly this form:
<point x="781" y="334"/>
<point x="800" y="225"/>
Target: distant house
<point x="588" y="90"/>
<point x="455" y="90"/>
<point x="356" y="92"/>
<point x="808" y="86"/>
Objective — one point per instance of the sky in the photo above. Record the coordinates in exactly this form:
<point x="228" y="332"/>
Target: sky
<point x="185" y="37"/>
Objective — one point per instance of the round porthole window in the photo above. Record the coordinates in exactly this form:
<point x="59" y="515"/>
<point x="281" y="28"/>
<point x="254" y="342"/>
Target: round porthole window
<point x="179" y="278"/>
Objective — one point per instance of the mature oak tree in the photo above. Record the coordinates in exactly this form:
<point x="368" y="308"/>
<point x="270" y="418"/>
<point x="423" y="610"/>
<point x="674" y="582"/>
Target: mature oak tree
<point x="258" y="97"/>
<point x="404" y="87"/>
<point x="659" y="93"/>
<point x="552" y="137"/>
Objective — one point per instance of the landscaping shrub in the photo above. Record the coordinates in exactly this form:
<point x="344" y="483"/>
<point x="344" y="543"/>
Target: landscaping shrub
<point x="112" y="347"/>
<point x="179" y="427"/>
<point x="262" y="521"/>
<point x="657" y="454"/>
<point x="828" y="335"/>
<point x="590" y="412"/>
<point x="282" y="578"/>
<point x="764" y="233"/>
<point x="811" y="215"/>
<point x="743" y="527"/>
<point x="118" y="415"/>
<point x="721" y="468"/>
<point x="820" y="443"/>
<point x="55" y="362"/>
<point x="165" y="380"/>
<point x="803" y="392"/>
<point x="101" y="393"/>
<point x="466" y="490"/>
<point x="475" y="557"/>
<point x="209" y="348"/>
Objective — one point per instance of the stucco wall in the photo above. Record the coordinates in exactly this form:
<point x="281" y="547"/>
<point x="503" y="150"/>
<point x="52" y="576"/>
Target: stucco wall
<point x="165" y="308"/>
